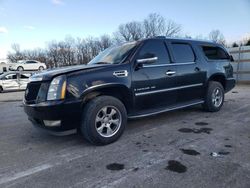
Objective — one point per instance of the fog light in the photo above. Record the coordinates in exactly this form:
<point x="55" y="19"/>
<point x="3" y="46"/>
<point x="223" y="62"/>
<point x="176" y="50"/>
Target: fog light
<point x="50" y="123"/>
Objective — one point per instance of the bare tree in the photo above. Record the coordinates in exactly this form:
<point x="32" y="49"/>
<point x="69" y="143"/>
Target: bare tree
<point x="172" y="29"/>
<point x="16" y="55"/>
<point x="105" y="42"/>
<point x="154" y="25"/>
<point x="217" y="36"/>
<point x="130" y="31"/>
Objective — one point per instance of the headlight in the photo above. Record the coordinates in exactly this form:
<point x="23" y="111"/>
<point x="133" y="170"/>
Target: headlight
<point x="57" y="88"/>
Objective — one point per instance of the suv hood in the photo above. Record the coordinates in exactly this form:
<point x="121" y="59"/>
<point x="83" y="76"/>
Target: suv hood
<point x="51" y="73"/>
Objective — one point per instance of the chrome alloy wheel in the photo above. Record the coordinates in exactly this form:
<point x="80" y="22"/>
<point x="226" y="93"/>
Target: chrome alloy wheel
<point x="108" y="121"/>
<point x="217" y="97"/>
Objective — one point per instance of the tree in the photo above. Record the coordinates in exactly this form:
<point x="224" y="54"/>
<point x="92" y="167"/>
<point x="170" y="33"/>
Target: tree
<point x="247" y="42"/>
<point x="154" y="25"/>
<point x="235" y="45"/>
<point x="217" y="36"/>
<point x="172" y="29"/>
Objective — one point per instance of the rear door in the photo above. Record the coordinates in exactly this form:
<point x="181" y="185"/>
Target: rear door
<point x="191" y="75"/>
<point x="151" y="85"/>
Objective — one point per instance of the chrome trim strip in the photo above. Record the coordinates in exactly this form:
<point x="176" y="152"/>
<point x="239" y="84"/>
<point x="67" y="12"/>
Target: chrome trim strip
<point x="166" y="110"/>
<point x="147" y="60"/>
<point x="169" y="64"/>
<point x="169" y="89"/>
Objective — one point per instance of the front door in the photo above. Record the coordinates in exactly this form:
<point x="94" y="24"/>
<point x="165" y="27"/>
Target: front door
<point x="153" y="83"/>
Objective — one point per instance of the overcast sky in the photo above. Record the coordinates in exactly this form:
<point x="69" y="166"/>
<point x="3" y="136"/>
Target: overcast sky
<point x="32" y="23"/>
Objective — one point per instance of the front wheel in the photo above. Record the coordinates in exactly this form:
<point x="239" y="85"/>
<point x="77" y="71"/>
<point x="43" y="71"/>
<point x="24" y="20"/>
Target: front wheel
<point x="214" y="97"/>
<point x="103" y="120"/>
<point x="41" y="68"/>
<point x="20" y="68"/>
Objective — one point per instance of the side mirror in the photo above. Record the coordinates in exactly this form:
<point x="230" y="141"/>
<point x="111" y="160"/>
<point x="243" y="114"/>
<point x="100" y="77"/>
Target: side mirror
<point x="231" y="58"/>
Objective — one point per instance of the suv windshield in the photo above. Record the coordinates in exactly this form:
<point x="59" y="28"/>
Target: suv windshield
<point x="114" y="54"/>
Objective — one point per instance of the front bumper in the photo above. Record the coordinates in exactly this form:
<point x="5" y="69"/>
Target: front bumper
<point x="230" y="84"/>
<point x="68" y="113"/>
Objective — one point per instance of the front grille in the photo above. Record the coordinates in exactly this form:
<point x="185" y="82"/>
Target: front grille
<point x="32" y="91"/>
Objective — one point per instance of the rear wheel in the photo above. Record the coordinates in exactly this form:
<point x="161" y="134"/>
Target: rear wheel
<point x="20" y="68"/>
<point x="214" y="97"/>
<point x="103" y="120"/>
<point x="1" y="89"/>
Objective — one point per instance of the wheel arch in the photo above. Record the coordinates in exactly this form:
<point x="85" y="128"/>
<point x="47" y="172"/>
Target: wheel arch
<point x="118" y="91"/>
<point x="218" y="78"/>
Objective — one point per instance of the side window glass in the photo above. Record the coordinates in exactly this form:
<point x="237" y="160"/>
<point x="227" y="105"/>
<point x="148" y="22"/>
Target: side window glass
<point x="157" y="49"/>
<point x="215" y="53"/>
<point x="23" y="76"/>
<point x="183" y="53"/>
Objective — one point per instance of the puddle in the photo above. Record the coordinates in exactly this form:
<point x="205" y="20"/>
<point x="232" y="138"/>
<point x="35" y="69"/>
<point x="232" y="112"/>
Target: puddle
<point x="197" y="131"/>
<point x="190" y="152"/>
<point x="185" y="130"/>
<point x="223" y="153"/>
<point x="201" y="123"/>
<point x="137" y="143"/>
<point x="115" y="166"/>
<point x="176" y="166"/>
<point x="135" y="169"/>
<point x="228" y="146"/>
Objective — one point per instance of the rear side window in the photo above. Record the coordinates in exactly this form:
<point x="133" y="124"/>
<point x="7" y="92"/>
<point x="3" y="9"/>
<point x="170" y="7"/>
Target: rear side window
<point x="214" y="53"/>
<point x="155" y="48"/>
<point x="183" y="53"/>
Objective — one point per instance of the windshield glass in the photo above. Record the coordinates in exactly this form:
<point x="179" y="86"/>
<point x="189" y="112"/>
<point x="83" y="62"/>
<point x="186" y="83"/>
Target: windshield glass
<point x="114" y="54"/>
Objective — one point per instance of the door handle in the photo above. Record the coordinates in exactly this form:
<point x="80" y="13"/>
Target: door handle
<point x="170" y="73"/>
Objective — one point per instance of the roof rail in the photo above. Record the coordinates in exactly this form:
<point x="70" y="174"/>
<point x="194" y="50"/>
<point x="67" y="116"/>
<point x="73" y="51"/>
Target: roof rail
<point x="160" y="37"/>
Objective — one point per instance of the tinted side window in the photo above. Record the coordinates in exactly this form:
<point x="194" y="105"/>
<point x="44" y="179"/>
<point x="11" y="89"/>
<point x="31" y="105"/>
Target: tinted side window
<point x="214" y="53"/>
<point x="183" y="53"/>
<point x="30" y="62"/>
<point x="23" y="76"/>
<point x="155" y="48"/>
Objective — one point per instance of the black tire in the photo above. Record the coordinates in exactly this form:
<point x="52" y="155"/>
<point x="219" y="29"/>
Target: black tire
<point x="91" y="112"/>
<point x="41" y="68"/>
<point x="1" y="89"/>
<point x="213" y="104"/>
<point x="20" y="68"/>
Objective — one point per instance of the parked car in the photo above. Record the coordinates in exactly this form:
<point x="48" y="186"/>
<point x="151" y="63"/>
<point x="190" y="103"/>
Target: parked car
<point x="27" y="65"/>
<point x="131" y="80"/>
<point x="13" y="81"/>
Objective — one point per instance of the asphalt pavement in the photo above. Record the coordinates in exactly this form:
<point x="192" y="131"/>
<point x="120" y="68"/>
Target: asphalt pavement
<point x="183" y="148"/>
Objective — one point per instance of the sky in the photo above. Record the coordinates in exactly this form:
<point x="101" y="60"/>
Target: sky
<point x="33" y="23"/>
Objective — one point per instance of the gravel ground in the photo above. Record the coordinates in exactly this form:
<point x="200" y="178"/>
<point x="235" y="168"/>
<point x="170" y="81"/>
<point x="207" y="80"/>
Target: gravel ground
<point x="168" y="150"/>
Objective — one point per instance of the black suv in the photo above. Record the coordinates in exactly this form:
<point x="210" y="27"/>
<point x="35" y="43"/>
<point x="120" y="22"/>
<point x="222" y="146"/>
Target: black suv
<point x="130" y="80"/>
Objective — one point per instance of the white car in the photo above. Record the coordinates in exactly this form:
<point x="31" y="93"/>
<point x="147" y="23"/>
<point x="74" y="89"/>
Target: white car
<point x="27" y="65"/>
<point x="13" y="81"/>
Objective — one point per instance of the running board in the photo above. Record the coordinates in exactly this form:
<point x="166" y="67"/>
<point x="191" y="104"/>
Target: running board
<point x="164" y="110"/>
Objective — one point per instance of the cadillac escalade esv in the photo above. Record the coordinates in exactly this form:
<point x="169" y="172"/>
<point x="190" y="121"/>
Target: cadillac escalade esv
<point x="130" y="80"/>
